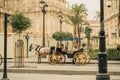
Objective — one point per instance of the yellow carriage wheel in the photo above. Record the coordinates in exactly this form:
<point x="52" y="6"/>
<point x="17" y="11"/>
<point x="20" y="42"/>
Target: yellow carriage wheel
<point x="88" y="57"/>
<point x="52" y="59"/>
<point x="79" y="58"/>
<point x="0" y="59"/>
<point x="60" y="58"/>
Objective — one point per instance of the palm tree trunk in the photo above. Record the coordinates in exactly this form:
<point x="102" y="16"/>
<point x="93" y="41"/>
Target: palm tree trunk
<point x="74" y="42"/>
<point x="79" y="41"/>
<point x="75" y="32"/>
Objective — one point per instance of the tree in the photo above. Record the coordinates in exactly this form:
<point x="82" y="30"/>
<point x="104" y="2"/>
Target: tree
<point x="88" y="31"/>
<point x="97" y="15"/>
<point x="20" y="23"/>
<point x="74" y="20"/>
<point x="79" y="11"/>
<point x="59" y="35"/>
<point x="68" y="35"/>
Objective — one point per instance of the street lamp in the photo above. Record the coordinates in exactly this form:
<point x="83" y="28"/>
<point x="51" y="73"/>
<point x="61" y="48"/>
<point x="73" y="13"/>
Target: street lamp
<point x="102" y="56"/>
<point x="60" y="18"/>
<point x="5" y="47"/>
<point x="27" y="39"/>
<point x="43" y="6"/>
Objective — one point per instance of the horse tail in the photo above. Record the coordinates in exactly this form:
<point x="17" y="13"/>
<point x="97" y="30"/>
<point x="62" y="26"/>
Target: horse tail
<point x="30" y="47"/>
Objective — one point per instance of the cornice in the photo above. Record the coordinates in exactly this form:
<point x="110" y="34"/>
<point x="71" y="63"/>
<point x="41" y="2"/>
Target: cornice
<point x="112" y="16"/>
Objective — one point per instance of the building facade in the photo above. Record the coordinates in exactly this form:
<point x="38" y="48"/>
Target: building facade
<point x="95" y="26"/>
<point x="112" y="22"/>
<point x="31" y="9"/>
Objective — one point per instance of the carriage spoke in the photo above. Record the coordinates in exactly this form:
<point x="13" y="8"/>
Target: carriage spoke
<point x="60" y="58"/>
<point x="52" y="59"/>
<point x="79" y="58"/>
<point x="88" y="57"/>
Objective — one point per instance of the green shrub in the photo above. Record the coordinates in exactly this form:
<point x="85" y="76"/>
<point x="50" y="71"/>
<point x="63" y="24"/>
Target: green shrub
<point x="94" y="53"/>
<point x="83" y="44"/>
<point x="111" y="53"/>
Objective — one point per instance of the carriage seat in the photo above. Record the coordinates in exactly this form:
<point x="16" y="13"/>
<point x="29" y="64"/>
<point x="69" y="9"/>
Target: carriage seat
<point x="52" y="48"/>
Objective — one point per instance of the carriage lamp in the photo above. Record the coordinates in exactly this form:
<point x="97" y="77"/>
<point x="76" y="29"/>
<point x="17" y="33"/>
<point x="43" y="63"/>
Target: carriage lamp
<point x="43" y="6"/>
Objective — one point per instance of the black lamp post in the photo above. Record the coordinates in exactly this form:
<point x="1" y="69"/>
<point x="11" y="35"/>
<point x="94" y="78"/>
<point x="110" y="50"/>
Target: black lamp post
<point x="27" y="37"/>
<point x="102" y="56"/>
<point x="43" y="5"/>
<point x="5" y="47"/>
<point x="60" y="18"/>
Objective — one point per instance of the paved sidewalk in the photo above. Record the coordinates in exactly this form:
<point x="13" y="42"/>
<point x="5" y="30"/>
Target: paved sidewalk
<point x="31" y="66"/>
<point x="31" y="76"/>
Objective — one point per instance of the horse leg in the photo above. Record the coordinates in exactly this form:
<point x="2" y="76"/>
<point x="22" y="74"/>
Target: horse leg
<point x="39" y="56"/>
<point x="40" y="59"/>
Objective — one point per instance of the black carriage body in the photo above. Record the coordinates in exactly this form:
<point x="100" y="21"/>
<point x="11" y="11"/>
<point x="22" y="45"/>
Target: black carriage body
<point x="69" y="55"/>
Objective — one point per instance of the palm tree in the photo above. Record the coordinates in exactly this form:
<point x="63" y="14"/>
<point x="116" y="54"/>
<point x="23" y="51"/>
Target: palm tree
<point x="88" y="31"/>
<point x="78" y="9"/>
<point x="74" y="20"/>
<point x="97" y="15"/>
<point x="78" y="12"/>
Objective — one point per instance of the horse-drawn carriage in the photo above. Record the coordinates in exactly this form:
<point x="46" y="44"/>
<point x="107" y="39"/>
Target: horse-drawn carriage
<point x="79" y="57"/>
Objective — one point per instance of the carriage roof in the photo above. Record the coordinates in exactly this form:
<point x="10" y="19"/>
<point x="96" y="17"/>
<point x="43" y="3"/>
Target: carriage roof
<point x="72" y="39"/>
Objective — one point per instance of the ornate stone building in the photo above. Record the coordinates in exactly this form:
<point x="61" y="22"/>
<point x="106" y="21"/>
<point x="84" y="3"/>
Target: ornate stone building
<point x="112" y="23"/>
<point x="95" y="26"/>
<point x="31" y="9"/>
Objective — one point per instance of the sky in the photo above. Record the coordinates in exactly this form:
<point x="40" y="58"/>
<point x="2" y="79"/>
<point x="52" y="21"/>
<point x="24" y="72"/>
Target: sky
<point x="92" y="6"/>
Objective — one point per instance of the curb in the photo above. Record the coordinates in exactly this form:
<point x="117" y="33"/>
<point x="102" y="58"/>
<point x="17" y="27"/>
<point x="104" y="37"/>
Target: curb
<point x="62" y="72"/>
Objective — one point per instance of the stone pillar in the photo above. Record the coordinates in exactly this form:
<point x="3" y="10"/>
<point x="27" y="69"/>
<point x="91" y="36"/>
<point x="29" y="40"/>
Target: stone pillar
<point x="19" y="54"/>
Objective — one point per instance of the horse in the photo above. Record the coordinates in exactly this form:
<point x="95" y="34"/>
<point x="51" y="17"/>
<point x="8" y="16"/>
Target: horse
<point x="40" y="50"/>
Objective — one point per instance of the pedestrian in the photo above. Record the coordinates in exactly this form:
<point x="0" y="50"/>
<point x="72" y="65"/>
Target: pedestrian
<point x="118" y="49"/>
<point x="75" y="48"/>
